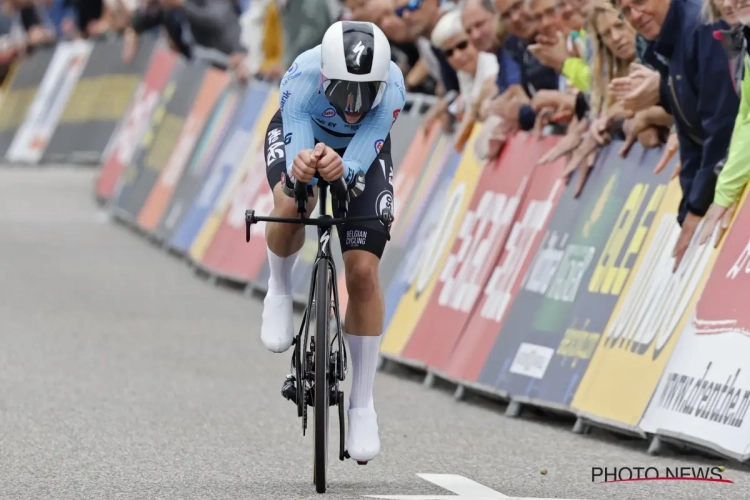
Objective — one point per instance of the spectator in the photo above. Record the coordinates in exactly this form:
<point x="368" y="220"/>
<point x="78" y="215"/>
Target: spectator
<point x="479" y="22"/>
<point x="736" y="171"/>
<point x="305" y="22"/>
<point x="262" y="36"/>
<point x="473" y="68"/>
<point x="190" y="24"/>
<point x="696" y="88"/>
<point x="421" y="17"/>
<point x="523" y="29"/>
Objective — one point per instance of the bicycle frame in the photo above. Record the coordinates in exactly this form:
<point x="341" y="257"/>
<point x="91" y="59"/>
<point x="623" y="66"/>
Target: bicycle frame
<point x="302" y="357"/>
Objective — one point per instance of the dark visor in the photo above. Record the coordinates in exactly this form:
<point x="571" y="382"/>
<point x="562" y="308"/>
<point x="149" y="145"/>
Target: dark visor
<point x="352" y="97"/>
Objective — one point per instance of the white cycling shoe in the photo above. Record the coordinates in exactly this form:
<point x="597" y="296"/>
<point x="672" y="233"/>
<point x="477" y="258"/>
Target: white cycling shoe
<point x="363" y="442"/>
<point x="277" y="327"/>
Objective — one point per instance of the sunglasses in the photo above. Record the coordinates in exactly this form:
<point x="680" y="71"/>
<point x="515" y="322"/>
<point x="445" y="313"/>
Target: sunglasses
<point x="412" y="6"/>
<point x="459" y="46"/>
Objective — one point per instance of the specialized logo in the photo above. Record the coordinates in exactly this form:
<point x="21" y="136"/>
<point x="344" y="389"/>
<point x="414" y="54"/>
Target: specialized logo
<point x="384" y="201"/>
<point x="330" y="112"/>
<point x="275" y="146"/>
<point x="324" y="241"/>
<point x="379" y="145"/>
<point x="358" y="50"/>
<point x="284" y="97"/>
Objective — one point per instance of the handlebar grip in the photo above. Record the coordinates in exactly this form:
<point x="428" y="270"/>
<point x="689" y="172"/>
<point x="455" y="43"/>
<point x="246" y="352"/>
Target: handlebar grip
<point x="339" y="189"/>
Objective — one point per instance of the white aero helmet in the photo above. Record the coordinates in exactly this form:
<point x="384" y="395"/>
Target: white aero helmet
<point x="355" y="61"/>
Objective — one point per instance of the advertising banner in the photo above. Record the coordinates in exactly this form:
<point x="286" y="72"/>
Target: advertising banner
<point x="422" y="215"/>
<point x="704" y="394"/>
<point x="17" y="101"/>
<point x="228" y="160"/>
<point x="481" y="237"/>
<point x="546" y="187"/>
<point x="406" y="175"/>
<point x="98" y="102"/>
<point x="434" y="254"/>
<point x="229" y="254"/>
<point x="538" y="315"/>
<point x="250" y="151"/>
<point x="645" y="324"/>
<point x="214" y="82"/>
<point x="160" y="141"/>
<point x="129" y="138"/>
<point x="214" y="135"/>
<point x="613" y="234"/>
<point x="63" y="72"/>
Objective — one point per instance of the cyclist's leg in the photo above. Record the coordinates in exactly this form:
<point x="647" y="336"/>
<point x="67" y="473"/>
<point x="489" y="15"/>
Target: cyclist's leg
<point x="284" y="242"/>
<point x="362" y="245"/>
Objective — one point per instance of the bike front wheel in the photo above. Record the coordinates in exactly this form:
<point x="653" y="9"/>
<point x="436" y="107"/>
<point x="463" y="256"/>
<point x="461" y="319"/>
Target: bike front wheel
<point x="322" y="357"/>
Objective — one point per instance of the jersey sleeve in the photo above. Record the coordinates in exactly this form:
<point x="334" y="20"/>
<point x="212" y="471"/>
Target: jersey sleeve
<point x="297" y="90"/>
<point x="369" y="139"/>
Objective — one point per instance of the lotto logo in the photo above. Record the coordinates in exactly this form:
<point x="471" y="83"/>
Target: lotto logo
<point x="328" y="113"/>
<point x="378" y="145"/>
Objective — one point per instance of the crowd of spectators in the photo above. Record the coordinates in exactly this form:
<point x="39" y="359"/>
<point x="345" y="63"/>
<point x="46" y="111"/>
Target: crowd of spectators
<point x="662" y="73"/>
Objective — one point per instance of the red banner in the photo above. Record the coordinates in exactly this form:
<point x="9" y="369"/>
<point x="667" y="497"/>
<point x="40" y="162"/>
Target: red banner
<point x="722" y="306"/>
<point x="480" y="240"/>
<point x="481" y="330"/>
<point x="228" y="254"/>
<point x="129" y="136"/>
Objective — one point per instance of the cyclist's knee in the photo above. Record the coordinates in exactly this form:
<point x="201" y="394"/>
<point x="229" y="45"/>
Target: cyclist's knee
<point x="361" y="270"/>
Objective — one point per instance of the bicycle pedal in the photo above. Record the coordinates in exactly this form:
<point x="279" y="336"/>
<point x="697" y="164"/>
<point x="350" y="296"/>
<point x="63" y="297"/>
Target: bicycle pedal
<point x="289" y="389"/>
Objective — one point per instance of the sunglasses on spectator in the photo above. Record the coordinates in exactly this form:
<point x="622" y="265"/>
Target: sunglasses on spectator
<point x="458" y="46"/>
<point x="412" y="6"/>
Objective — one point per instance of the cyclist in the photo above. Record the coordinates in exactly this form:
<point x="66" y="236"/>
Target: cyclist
<point x="337" y="104"/>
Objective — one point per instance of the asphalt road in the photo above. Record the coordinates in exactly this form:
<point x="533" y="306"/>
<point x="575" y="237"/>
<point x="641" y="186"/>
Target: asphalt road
<point x="124" y="376"/>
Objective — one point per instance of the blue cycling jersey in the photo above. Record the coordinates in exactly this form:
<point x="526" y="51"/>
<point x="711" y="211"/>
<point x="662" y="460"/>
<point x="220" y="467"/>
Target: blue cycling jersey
<point x="307" y="115"/>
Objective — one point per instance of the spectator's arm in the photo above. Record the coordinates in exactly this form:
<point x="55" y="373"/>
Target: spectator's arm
<point x="509" y="73"/>
<point x="736" y="172"/>
<point x="718" y="105"/>
<point x="657" y="116"/>
<point x="417" y="74"/>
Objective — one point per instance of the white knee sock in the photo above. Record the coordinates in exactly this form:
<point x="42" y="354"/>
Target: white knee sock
<point x="364" y="353"/>
<point x="280" y="280"/>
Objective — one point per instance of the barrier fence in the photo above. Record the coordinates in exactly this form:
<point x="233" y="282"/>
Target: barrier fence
<point x="497" y="277"/>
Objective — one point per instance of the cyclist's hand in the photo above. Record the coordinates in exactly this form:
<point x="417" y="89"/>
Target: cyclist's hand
<point x="304" y="165"/>
<point x="330" y="166"/>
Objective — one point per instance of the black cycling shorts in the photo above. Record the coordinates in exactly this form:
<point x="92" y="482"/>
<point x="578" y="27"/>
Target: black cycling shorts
<point x="377" y="196"/>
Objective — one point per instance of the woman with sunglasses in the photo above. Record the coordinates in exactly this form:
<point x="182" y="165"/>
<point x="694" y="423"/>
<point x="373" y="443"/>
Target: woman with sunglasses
<point x="473" y="68"/>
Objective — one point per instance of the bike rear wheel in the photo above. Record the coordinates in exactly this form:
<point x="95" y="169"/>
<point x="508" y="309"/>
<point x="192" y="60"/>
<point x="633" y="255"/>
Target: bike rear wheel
<point x="322" y="358"/>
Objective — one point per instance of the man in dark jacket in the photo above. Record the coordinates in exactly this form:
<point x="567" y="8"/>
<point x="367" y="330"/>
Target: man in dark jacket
<point x="696" y="88"/>
<point x="533" y="74"/>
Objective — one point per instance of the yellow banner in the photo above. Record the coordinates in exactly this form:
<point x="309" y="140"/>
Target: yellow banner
<point x="646" y="322"/>
<point x="254" y="153"/>
<point x="417" y="297"/>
